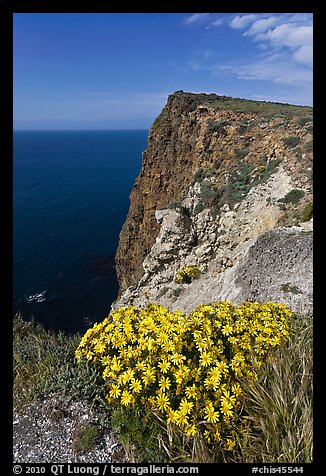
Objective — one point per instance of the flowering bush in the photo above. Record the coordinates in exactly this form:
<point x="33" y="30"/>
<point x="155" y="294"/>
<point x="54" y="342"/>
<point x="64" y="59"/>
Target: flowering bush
<point x="187" y="274"/>
<point x="186" y="369"/>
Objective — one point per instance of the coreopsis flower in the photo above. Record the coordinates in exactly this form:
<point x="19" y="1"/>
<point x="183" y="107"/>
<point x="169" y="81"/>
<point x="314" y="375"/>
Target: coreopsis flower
<point x="211" y="414"/>
<point x="185" y="368"/>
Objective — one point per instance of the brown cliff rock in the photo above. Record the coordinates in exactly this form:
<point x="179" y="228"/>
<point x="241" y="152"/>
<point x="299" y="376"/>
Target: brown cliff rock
<point x="228" y="146"/>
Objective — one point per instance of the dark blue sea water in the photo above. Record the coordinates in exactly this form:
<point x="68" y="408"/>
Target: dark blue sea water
<point x="71" y="198"/>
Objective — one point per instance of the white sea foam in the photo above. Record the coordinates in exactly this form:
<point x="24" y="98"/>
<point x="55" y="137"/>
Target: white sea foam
<point x="39" y="297"/>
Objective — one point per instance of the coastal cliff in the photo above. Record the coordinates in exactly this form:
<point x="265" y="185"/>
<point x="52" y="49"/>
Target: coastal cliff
<point x="218" y="174"/>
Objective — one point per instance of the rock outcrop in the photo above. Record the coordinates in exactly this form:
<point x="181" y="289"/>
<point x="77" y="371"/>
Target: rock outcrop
<point x="225" y="185"/>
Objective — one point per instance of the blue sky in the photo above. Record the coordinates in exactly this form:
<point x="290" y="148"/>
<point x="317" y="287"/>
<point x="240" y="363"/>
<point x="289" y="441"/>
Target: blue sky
<point x="111" y="70"/>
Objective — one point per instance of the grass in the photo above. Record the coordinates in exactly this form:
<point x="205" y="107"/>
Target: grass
<point x="85" y="437"/>
<point x="272" y="109"/>
<point x="44" y="363"/>
<point x="278" y="407"/>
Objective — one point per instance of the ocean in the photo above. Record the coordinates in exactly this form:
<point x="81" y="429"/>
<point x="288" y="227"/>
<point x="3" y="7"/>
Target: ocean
<point x="71" y="198"/>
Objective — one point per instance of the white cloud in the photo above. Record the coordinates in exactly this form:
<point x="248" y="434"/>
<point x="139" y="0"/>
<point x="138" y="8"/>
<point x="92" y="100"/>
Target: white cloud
<point x="206" y="19"/>
<point x="291" y="34"/>
<point x="262" y="25"/>
<point x="196" y="18"/>
<point x="284" y="49"/>
<point x="240" y="22"/>
<point x="218" y="22"/>
<point x="278" y="68"/>
<point x="304" y="54"/>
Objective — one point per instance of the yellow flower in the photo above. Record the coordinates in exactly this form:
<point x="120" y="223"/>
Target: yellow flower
<point x="207" y="436"/>
<point x="228" y="397"/>
<point x="222" y="366"/>
<point x="164" y="366"/>
<point x="211" y="414"/>
<point x="227" y="330"/>
<point x="180" y="418"/>
<point x="217" y="435"/>
<point x="165" y="383"/>
<point x="215" y="375"/>
<point x="148" y="376"/>
<point x="162" y="401"/>
<point x="126" y="398"/>
<point x="127" y="375"/>
<point x="100" y="347"/>
<point x="115" y="391"/>
<point x="185" y="406"/>
<point x="179" y="376"/>
<point x="230" y="444"/>
<point x="171" y="416"/>
<point x="150" y="344"/>
<point x="116" y="364"/>
<point x="226" y="408"/>
<point x="136" y="386"/>
<point x="162" y="337"/>
<point x="191" y="392"/>
<point x="205" y="359"/>
<point x="140" y="366"/>
<point x="177" y="358"/>
<point x="191" y="431"/>
<point x="168" y="346"/>
<point x="236" y="389"/>
<point x="107" y="373"/>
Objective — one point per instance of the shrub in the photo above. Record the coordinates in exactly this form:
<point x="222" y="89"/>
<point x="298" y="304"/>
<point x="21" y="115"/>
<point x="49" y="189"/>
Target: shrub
<point x="162" y="291"/>
<point x="177" y="292"/>
<point x="287" y="288"/>
<point x="217" y="126"/>
<point x="241" y="153"/>
<point x="309" y="145"/>
<point x="185" y="371"/>
<point x="307" y="212"/>
<point x="294" y="196"/>
<point x="201" y="174"/>
<point x="187" y="274"/>
<point x="242" y="181"/>
<point x="291" y="141"/>
<point x="304" y="120"/>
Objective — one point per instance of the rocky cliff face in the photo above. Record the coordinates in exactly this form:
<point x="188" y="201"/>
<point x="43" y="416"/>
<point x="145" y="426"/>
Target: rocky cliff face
<point x="219" y="173"/>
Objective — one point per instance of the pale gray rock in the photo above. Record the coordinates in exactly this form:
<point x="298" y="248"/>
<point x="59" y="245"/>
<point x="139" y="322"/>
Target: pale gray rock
<point x="275" y="266"/>
<point x="242" y="253"/>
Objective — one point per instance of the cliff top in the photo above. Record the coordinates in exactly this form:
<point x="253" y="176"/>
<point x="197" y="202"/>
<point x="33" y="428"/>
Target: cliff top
<point x="241" y="105"/>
